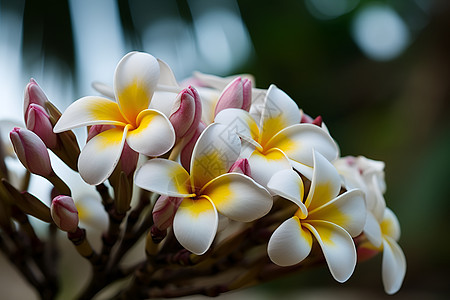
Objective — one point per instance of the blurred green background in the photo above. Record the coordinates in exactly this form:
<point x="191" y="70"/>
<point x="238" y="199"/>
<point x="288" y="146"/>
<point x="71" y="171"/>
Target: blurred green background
<point x="378" y="72"/>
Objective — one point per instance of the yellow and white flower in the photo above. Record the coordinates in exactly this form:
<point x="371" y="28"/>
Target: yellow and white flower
<point x="331" y="218"/>
<point x="207" y="190"/>
<point x="382" y="227"/>
<point x="279" y="141"/>
<point x="146" y="131"/>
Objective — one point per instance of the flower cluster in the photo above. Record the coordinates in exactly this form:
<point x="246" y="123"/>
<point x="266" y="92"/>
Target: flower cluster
<point x="236" y="178"/>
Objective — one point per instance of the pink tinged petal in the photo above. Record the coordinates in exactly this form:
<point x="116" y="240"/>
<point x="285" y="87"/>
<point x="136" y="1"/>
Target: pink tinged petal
<point x="38" y="121"/>
<point x="186" y="112"/>
<point x="299" y="140"/>
<point x="96" y="129"/>
<point x="104" y="89"/>
<point x="264" y="165"/>
<point x="393" y="266"/>
<point x="128" y="160"/>
<point x="279" y="112"/>
<point x="164" y="211"/>
<point x="390" y="226"/>
<point x="195" y="224"/>
<point x="238" y="197"/>
<point x="135" y="81"/>
<point x="166" y="76"/>
<point x="237" y="94"/>
<point x="290" y="243"/>
<point x="188" y="147"/>
<point x="100" y="155"/>
<point x="241" y="166"/>
<point x="90" y="110"/>
<point x="33" y="94"/>
<point x="240" y="121"/>
<point x="64" y="213"/>
<point x="31" y="151"/>
<point x="372" y="230"/>
<point x="217" y="148"/>
<point x="164" y="177"/>
<point x="288" y="184"/>
<point x="337" y="246"/>
<point x="347" y="210"/>
<point x="154" y="135"/>
<point x="325" y="184"/>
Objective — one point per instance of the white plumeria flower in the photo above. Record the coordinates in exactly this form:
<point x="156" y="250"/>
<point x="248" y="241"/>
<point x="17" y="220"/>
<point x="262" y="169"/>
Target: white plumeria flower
<point x="382" y="228"/>
<point x="146" y="131"/>
<point x="207" y="190"/>
<point x="332" y="219"/>
<point x="280" y="141"/>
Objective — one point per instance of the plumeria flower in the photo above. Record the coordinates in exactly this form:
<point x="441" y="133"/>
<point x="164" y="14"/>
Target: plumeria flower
<point x="146" y="131"/>
<point x="394" y="261"/>
<point x="279" y="141"/>
<point x="331" y="218"/>
<point x="207" y="190"/>
<point x="382" y="228"/>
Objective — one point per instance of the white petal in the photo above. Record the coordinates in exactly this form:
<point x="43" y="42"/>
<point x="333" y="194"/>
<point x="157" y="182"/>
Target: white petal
<point x="348" y="211"/>
<point x="263" y="166"/>
<point x="135" y="80"/>
<point x="104" y="89"/>
<point x="390" y="226"/>
<point x="154" y="135"/>
<point x="238" y="197"/>
<point x="337" y="246"/>
<point x="216" y="150"/>
<point x="288" y="184"/>
<point x="305" y="170"/>
<point x="240" y="121"/>
<point x="90" y="110"/>
<point x="298" y="141"/>
<point x="164" y="177"/>
<point x="195" y="224"/>
<point x="325" y="184"/>
<point x="166" y="74"/>
<point x="100" y="155"/>
<point x="279" y="112"/>
<point x="290" y="243"/>
<point x="393" y="266"/>
<point x="372" y="230"/>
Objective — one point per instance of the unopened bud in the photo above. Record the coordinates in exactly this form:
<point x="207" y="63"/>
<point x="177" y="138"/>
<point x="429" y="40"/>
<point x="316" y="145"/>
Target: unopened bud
<point x="38" y="121"/>
<point x="31" y="151"/>
<point x="164" y="211"/>
<point x="64" y="213"/>
<point x="96" y="129"/>
<point x="241" y="166"/>
<point x="237" y="94"/>
<point x="186" y="112"/>
<point x="33" y="95"/>
<point x="188" y="147"/>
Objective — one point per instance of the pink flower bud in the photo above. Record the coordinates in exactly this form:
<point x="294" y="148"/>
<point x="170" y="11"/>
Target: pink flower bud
<point x="186" y="112"/>
<point x="237" y="94"/>
<point x="241" y="166"/>
<point x="31" y="151"/>
<point x="164" y="211"/>
<point x="33" y="94"/>
<point x="307" y="119"/>
<point x="128" y="160"/>
<point x="96" y="129"/>
<point x="38" y="121"/>
<point x="188" y="147"/>
<point x="64" y="213"/>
